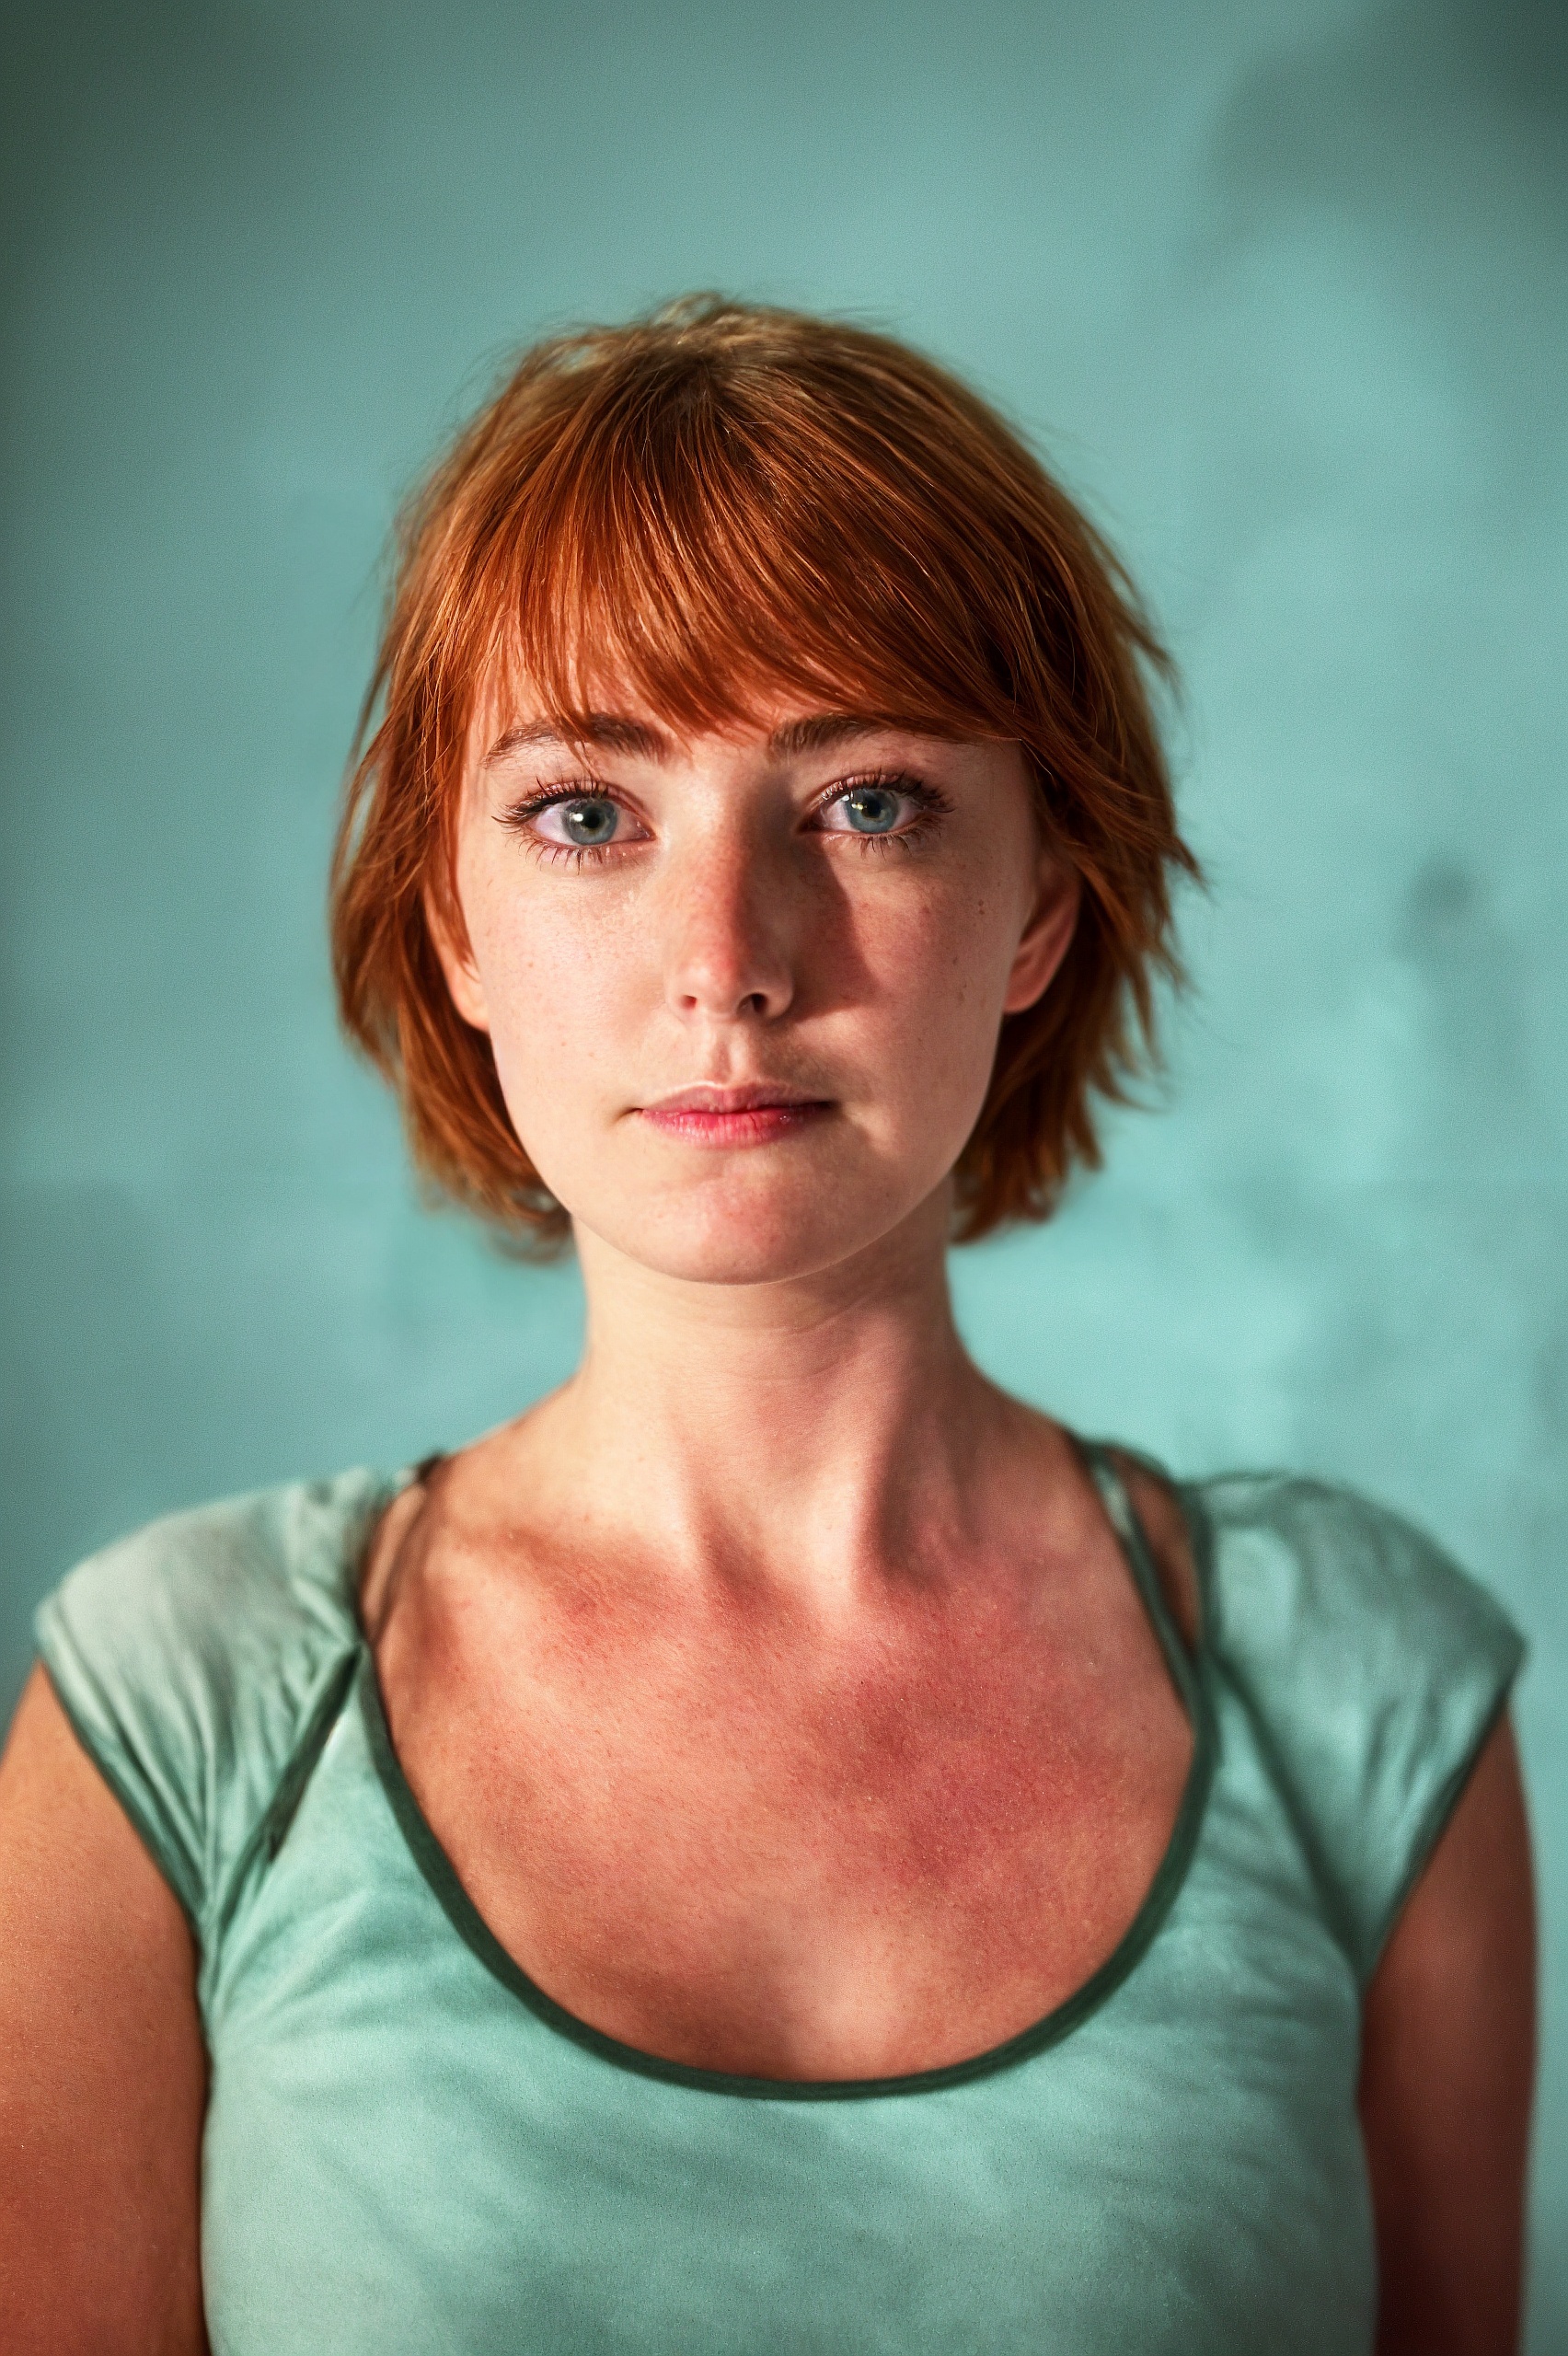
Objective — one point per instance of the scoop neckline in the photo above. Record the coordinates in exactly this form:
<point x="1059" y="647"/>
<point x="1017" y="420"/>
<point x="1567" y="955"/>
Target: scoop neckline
<point x="1189" y="1672"/>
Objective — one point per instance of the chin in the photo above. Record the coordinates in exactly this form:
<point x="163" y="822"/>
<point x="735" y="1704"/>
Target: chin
<point x="699" y="1237"/>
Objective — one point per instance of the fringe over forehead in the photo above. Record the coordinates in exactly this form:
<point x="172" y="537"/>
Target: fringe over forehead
<point x="697" y="515"/>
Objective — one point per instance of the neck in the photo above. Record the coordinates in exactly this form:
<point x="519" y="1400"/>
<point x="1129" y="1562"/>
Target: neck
<point x="810" y="1434"/>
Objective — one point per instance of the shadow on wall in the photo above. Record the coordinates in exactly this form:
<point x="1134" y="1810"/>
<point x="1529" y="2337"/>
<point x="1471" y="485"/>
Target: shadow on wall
<point x="1423" y="105"/>
<point x="1444" y="122"/>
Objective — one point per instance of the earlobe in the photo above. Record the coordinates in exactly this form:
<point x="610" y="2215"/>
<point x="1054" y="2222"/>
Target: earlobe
<point x="463" y="984"/>
<point x="1047" y="937"/>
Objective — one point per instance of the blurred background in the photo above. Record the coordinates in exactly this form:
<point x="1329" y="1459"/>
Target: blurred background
<point x="1279" y="287"/>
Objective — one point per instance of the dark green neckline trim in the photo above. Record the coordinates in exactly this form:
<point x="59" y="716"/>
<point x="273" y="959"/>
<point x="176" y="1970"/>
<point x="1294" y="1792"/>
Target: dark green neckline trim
<point x="1192" y="1685"/>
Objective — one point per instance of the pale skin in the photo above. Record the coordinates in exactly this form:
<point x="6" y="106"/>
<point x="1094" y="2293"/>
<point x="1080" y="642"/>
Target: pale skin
<point x="805" y="1656"/>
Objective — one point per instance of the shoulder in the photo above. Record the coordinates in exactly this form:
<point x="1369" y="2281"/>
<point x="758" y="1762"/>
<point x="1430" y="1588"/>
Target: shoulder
<point x="1298" y="1568"/>
<point x="1372" y="1666"/>
<point x="230" y="1578"/>
<point x="190" y="1656"/>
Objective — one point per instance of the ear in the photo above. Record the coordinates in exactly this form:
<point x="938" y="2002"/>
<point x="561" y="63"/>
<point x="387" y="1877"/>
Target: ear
<point x="1046" y="936"/>
<point x="451" y="947"/>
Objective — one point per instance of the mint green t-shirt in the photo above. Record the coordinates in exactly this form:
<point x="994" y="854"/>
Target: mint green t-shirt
<point x="411" y="2151"/>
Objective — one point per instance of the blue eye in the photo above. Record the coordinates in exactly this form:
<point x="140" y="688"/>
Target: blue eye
<point x="569" y="822"/>
<point x="591" y="820"/>
<point x="872" y="809"/>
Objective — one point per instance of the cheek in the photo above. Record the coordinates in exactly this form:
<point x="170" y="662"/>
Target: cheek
<point x="561" y="995"/>
<point x="940" y="962"/>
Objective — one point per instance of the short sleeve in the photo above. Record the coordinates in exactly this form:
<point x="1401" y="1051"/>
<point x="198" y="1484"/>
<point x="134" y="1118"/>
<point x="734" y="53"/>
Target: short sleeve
<point x="1372" y="1669"/>
<point x="190" y="1658"/>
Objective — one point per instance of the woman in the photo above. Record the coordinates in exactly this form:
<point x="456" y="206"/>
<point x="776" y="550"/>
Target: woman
<point x="779" y="1846"/>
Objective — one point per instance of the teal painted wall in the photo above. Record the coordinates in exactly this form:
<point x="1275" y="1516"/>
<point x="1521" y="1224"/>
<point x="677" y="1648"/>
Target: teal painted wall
<point x="1281" y="285"/>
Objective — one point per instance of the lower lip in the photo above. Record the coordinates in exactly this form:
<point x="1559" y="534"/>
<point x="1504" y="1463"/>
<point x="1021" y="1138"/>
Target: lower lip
<point x="759" y="1125"/>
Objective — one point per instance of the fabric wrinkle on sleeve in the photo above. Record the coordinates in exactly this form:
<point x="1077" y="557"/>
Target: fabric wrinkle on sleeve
<point x="189" y="1656"/>
<point x="1374" y="1670"/>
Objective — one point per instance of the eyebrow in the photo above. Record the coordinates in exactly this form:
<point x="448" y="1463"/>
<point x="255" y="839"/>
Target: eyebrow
<point x="822" y="731"/>
<point x="609" y="731"/>
<point x="604" y="729"/>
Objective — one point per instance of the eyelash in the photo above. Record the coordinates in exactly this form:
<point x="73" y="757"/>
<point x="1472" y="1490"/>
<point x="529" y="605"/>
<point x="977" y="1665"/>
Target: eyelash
<point x="930" y="808"/>
<point x="549" y="854"/>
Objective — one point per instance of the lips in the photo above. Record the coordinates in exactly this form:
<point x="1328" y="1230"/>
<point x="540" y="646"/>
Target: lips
<point x="754" y="1114"/>
<point x="763" y="1096"/>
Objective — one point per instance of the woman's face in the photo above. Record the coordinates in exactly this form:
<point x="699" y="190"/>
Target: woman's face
<point x="743" y="990"/>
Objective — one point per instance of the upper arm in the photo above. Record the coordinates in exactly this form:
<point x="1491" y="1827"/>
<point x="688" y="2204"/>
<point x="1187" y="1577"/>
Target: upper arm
<point x="1447" y="2063"/>
<point x="102" y="2066"/>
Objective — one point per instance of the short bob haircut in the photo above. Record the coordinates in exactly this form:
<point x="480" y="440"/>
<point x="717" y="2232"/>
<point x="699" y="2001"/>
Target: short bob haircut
<point x="712" y="508"/>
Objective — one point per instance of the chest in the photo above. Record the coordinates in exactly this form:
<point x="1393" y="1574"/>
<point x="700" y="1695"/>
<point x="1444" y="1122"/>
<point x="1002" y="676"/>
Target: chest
<point x="401" y="2138"/>
<point x="791" y="1859"/>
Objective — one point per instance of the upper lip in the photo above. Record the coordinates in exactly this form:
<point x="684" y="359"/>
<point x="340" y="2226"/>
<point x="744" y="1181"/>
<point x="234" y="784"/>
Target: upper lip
<point x="707" y="1097"/>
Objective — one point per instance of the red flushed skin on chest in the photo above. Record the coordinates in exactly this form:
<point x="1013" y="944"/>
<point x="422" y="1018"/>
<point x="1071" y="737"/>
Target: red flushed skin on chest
<point x="731" y="1837"/>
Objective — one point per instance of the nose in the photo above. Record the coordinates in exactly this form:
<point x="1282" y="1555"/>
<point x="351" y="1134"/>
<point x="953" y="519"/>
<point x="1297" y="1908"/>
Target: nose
<point x="727" y="944"/>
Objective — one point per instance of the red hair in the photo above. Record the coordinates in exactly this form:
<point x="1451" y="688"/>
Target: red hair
<point x="708" y="508"/>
